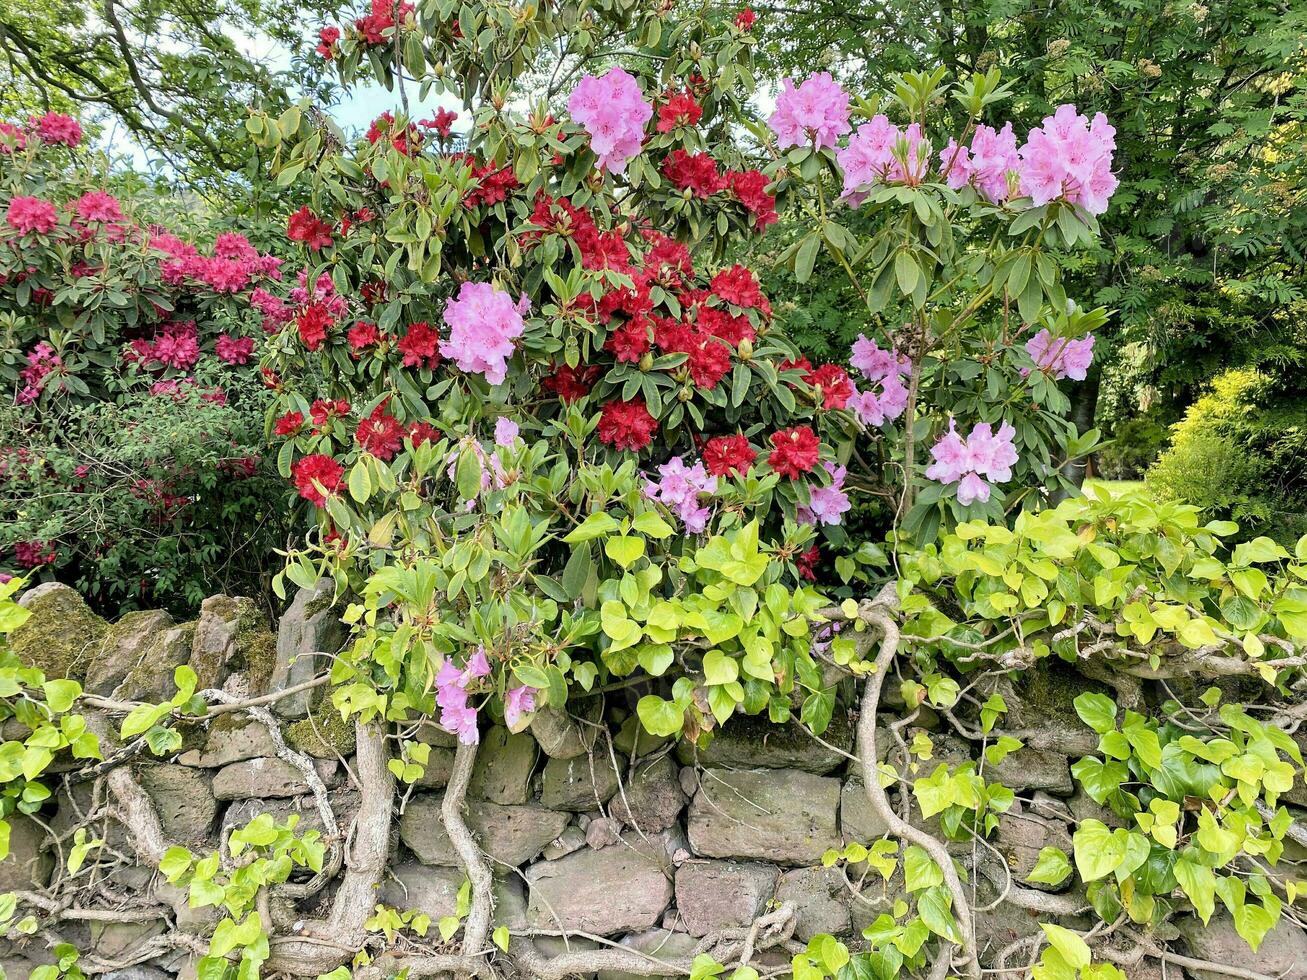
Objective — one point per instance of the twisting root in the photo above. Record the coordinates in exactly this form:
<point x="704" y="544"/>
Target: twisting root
<point x="477" y="925"/>
<point x="321" y="946"/>
<point x="878" y="613"/>
<point x="139" y="817"/>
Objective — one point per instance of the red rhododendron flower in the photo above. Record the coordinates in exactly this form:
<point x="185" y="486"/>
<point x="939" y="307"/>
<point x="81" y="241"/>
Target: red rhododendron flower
<point x="321" y="470"/>
<point x="289" y="424"/>
<point x="630" y="341"/>
<point x="420" y="346"/>
<point x="33" y="554"/>
<point x="833" y="381"/>
<point x="421" y="432"/>
<point x="710" y="359"/>
<point x="571" y="383"/>
<point x="807" y="563"/>
<point x="380" y="434"/>
<point x="234" y="350"/>
<point x="680" y="109"/>
<point x="695" y="172"/>
<point x="313" y="322"/>
<point x="363" y="335"/>
<point x="626" y="425"/>
<point x="738" y="286"/>
<point x="796" y="451"/>
<point x="31" y="214"/>
<point x="324" y="410"/>
<point x="745" y="19"/>
<point x="327" y="38"/>
<point x="406" y="140"/>
<point x="728" y="455"/>
<point x="442" y="122"/>
<point x="305" y="226"/>
<point x="750" y="186"/>
<point x="798" y="364"/>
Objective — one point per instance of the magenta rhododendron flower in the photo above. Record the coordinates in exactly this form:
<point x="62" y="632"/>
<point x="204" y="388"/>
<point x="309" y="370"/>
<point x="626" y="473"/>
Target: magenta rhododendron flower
<point x="483" y="323"/>
<point x="983" y="455"/>
<point x="1070" y="158"/>
<point x="99" y="206"/>
<point x="1061" y="357"/>
<point x="457" y="716"/>
<point x="828" y="504"/>
<point x="816" y="112"/>
<point x="56" y="128"/>
<point x="518" y="703"/>
<point x="31" y="215"/>
<point x="614" y="114"/>
<point x="234" y="350"/>
<point x="680" y="488"/>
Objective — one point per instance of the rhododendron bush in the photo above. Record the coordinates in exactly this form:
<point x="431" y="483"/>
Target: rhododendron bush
<point x="132" y="458"/>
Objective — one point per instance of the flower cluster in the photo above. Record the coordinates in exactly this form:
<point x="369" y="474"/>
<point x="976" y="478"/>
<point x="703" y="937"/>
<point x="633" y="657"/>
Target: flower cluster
<point x="827" y="504"/>
<point x="52" y="129"/>
<point x="483" y="323"/>
<point x="1061" y="357"/>
<point x="885" y="368"/>
<point x="1069" y="157"/>
<point x="614" y="113"/>
<point x="814" y="113"/>
<point x="880" y="152"/>
<point x="457" y="715"/>
<point x="700" y="174"/>
<point x="983" y="455"/>
<point x="985" y="164"/>
<point x="680" y="488"/>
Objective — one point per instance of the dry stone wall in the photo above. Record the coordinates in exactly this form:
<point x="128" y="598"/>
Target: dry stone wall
<point x="595" y="832"/>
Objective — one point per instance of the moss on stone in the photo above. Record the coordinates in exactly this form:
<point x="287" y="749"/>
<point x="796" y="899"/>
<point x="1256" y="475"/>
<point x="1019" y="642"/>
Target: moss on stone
<point x="323" y="734"/>
<point x="151" y="679"/>
<point x="62" y="634"/>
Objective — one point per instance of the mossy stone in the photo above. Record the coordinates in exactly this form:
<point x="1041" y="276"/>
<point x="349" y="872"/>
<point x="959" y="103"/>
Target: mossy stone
<point x="323" y="735"/>
<point x="62" y="634"/>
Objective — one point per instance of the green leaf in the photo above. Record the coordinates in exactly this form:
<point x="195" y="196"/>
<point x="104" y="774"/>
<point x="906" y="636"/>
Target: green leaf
<point x="1073" y="949"/>
<point x="625" y="549"/>
<point x="1098" y="711"/>
<point x="1051" y="867"/>
<point x="718" y="668"/>
<point x="651" y="525"/>
<point x="60" y="694"/>
<point x="1098" y="850"/>
<point x="659" y="717"/>
<point x="594" y="526"/>
<point x="1197" y="882"/>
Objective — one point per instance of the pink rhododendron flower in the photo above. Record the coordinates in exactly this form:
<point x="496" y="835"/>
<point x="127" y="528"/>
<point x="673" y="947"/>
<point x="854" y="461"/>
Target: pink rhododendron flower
<point x="98" y="206"/>
<point x="234" y="350"/>
<point x="31" y="215"/>
<point x="457" y="716"/>
<point x="42" y="361"/>
<point x="55" y="127"/>
<point x="614" y="114"/>
<point x="985" y="165"/>
<point x="483" y="323"/>
<point x="1061" y="357"/>
<point x="679" y="490"/>
<point x="875" y="409"/>
<point x="506" y="431"/>
<point x="815" y="112"/>
<point x="1069" y="157"/>
<point x="871" y="157"/>
<point x="828" y="504"/>
<point x="876" y="364"/>
<point x="518" y="702"/>
<point x="983" y="455"/>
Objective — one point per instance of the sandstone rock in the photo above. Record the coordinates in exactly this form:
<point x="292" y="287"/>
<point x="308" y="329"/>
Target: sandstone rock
<point x="712" y="895"/>
<point x="562" y="737"/>
<point x="266" y="777"/>
<point x="580" y="783"/>
<point x="603" y="832"/>
<point x="819" y="896"/>
<point x="858" y="821"/>
<point x="1283" y="953"/>
<point x="616" y="890"/>
<point x="429" y="733"/>
<point x="676" y="947"/>
<point x="232" y="637"/>
<point x="755" y="741"/>
<point x="504" y="762"/>
<point x="781" y="815"/>
<point x="124" y="646"/>
<point x="113" y="940"/>
<point x="152" y="678"/>
<point x="184" y="800"/>
<point x="1029" y="769"/>
<point x="632" y="739"/>
<point x="440" y="766"/>
<point x="27" y="867"/>
<point x="511" y="834"/>
<point x="231" y="740"/>
<point x="652" y="799"/>
<point x="61" y="635"/>
<point x="308" y="626"/>
<point x="571" y="839"/>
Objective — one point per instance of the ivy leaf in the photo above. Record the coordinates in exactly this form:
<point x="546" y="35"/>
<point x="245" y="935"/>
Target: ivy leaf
<point x="594" y="526"/>
<point x="625" y="549"/>
<point x="60" y="694"/>
<point x="1098" y="711"/>
<point x="1073" y="949"/>
<point x="1098" y="851"/>
<point x="659" y="717"/>
<point x="1051" y="867"/>
<point x="1197" y="882"/>
<point x="718" y="668"/>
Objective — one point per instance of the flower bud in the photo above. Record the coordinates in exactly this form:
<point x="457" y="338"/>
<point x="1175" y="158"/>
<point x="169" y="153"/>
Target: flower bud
<point x="745" y="349"/>
<point x="646" y="362"/>
<point x="685" y="394"/>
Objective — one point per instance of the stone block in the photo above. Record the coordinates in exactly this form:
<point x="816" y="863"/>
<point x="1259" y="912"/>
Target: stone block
<point x="820" y="900"/>
<point x="309" y="625"/>
<point x="266" y="777"/>
<point x="509" y="834"/>
<point x="619" y="889"/>
<point x="581" y="783"/>
<point x="504" y="763"/>
<point x="713" y="895"/>
<point x="782" y="815"/>
<point x="755" y="741"/>
<point x="652" y="799"/>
